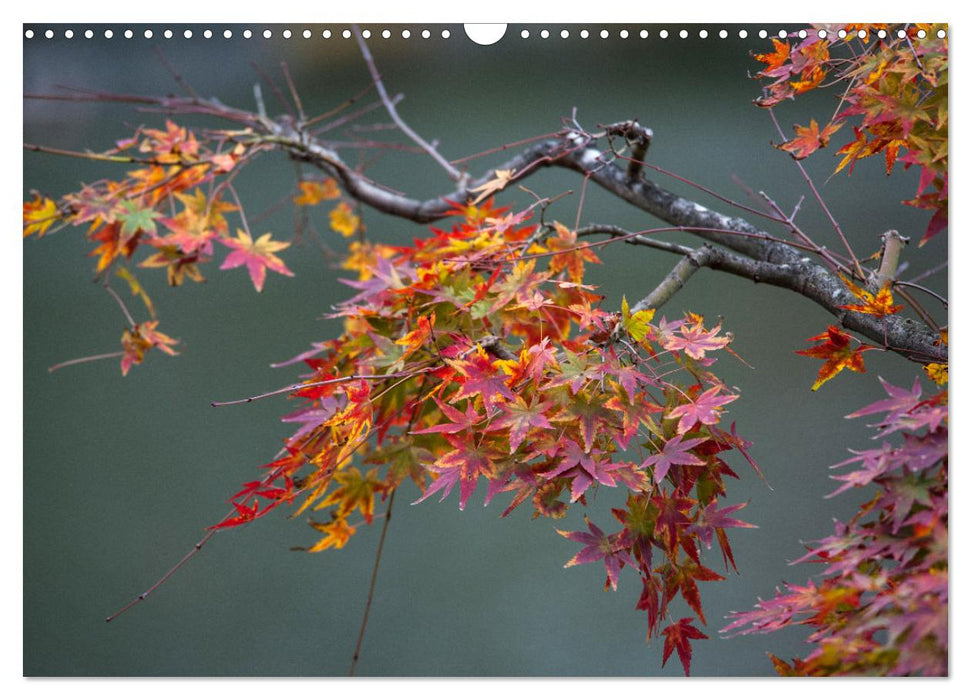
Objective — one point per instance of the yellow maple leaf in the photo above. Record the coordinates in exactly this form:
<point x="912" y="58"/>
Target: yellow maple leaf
<point x="338" y="533"/>
<point x="39" y="214"/>
<point x="344" y="221"/>
<point x="879" y="304"/>
<point x="937" y="372"/>
<point x="315" y="191"/>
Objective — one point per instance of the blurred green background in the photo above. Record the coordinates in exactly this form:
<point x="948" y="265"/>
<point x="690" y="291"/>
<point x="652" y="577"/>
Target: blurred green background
<point x="122" y="475"/>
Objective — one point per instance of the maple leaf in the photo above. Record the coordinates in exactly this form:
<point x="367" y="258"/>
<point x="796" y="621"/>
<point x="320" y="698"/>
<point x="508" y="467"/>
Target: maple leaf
<point x="178" y="266"/>
<point x="344" y="221"/>
<point x="837" y="352"/>
<point x="879" y="304"/>
<point x="613" y="549"/>
<point x="675" y="451"/>
<point x="496" y="184"/>
<point x="356" y="490"/>
<point x="315" y="191"/>
<point x="901" y="401"/>
<point x="775" y="59"/>
<point x="39" y="214"/>
<point x="678" y="636"/>
<point x="471" y="458"/>
<point x="808" y="139"/>
<point x="683" y="578"/>
<point x="584" y="468"/>
<point x="138" y="340"/>
<point x="638" y="324"/>
<point x="712" y="518"/>
<point x="936" y="372"/>
<point x="519" y="417"/>
<point x="256" y="255"/>
<point x="135" y="219"/>
<point x="568" y="254"/>
<point x="416" y="339"/>
<point x="480" y="376"/>
<point x="338" y="533"/>
<point x="694" y="340"/>
<point x="705" y="409"/>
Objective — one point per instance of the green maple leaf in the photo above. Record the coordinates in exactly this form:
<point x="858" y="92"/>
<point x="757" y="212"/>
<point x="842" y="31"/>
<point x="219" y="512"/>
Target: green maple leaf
<point x="135" y="219"/>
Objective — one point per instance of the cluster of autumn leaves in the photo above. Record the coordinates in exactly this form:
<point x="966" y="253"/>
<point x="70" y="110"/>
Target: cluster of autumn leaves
<point x="895" y="92"/>
<point x="479" y="357"/>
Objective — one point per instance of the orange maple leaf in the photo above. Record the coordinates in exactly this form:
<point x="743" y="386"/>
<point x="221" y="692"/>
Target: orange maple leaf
<point x="777" y="58"/>
<point x="572" y="256"/>
<point x="808" y="139"/>
<point x="414" y="340"/>
<point x="837" y="352"/>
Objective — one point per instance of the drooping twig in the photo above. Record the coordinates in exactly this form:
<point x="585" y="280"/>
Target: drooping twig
<point x="82" y="360"/>
<point x="307" y="385"/>
<point x="168" y="574"/>
<point x="374" y="580"/>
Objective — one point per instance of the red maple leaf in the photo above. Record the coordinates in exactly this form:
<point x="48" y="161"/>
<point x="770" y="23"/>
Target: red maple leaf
<point x="678" y="636"/>
<point x="837" y="352"/>
<point x="481" y="377"/>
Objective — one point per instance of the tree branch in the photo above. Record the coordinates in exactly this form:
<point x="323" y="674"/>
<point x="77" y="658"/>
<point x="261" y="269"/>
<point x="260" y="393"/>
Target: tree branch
<point x="757" y="255"/>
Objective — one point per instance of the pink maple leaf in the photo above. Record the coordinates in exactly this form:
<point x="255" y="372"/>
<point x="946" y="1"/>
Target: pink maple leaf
<point x="674" y="451"/>
<point x="900" y="401"/>
<point x="695" y="341"/>
<point x="613" y="549"/>
<point x="705" y="409"/>
<point x="256" y="255"/>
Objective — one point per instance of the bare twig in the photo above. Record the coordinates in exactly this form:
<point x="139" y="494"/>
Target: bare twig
<point x="389" y="105"/>
<point x="822" y="204"/>
<point x="82" y="360"/>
